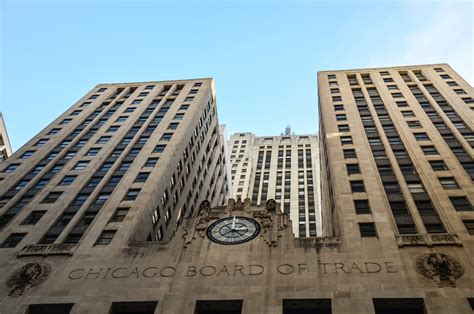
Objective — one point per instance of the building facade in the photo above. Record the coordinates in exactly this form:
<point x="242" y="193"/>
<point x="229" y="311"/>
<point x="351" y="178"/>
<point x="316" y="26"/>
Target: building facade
<point x="5" y="147"/>
<point x="126" y="162"/>
<point x="284" y="168"/>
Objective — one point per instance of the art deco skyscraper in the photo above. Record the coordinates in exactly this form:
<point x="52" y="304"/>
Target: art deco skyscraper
<point x="284" y="168"/>
<point x="397" y="154"/>
<point x="127" y="162"/>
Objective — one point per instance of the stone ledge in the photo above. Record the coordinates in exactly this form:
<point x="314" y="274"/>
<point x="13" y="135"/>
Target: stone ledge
<point x="47" y="249"/>
<point x="428" y="239"/>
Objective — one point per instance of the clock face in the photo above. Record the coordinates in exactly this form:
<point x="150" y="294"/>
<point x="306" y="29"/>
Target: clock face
<point x="233" y="230"/>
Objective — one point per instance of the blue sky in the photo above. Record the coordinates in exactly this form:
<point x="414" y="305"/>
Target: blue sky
<point x="263" y="55"/>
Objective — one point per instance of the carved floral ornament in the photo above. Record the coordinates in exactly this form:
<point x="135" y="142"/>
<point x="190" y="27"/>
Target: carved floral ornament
<point x="438" y="267"/>
<point x="27" y="276"/>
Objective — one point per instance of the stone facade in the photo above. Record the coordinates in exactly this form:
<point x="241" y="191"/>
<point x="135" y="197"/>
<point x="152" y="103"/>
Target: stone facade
<point x="5" y="147"/>
<point x="268" y="274"/>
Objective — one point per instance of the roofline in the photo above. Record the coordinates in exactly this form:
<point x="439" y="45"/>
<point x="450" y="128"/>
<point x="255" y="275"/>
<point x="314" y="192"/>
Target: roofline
<point x="163" y="81"/>
<point x="387" y="67"/>
<point x="295" y="135"/>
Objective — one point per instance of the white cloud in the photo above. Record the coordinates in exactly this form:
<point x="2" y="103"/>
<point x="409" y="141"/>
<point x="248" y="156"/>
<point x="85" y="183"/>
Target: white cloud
<point x="443" y="33"/>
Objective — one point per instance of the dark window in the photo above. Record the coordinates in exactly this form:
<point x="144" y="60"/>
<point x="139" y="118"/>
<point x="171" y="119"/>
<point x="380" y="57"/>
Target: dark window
<point x="136" y="307"/>
<point x="367" y="229"/>
<point x="13" y="240"/>
<point x="394" y="306"/>
<point x="102" y="198"/>
<point x="93" y="152"/>
<point x="173" y="125"/>
<point x="11" y="168"/>
<point x="113" y="128"/>
<point x="81" y="165"/>
<point x="469" y="226"/>
<point x="449" y="183"/>
<point x="33" y="217"/>
<point x="41" y="142"/>
<point x="438" y="165"/>
<point x="346" y="140"/>
<point x="151" y="162"/>
<point x="461" y="203"/>
<point x="421" y="137"/>
<point x="362" y="206"/>
<point x="343" y="128"/>
<point x="429" y="150"/>
<point x="52" y="197"/>
<point x="218" y="307"/>
<point x="357" y="186"/>
<point x="341" y="117"/>
<point x="106" y="237"/>
<point x="27" y="154"/>
<point x="81" y="199"/>
<point x="131" y="194"/>
<point x="57" y="308"/>
<point x="120" y="214"/>
<point x="114" y="180"/>
<point x="142" y="177"/>
<point x="67" y="180"/>
<point x="159" y="148"/>
<point x="353" y="168"/>
<point x="54" y="131"/>
<point x="307" y="306"/>
<point x="166" y="137"/>
<point x="103" y="140"/>
<point x="179" y="116"/>
<point x="350" y="153"/>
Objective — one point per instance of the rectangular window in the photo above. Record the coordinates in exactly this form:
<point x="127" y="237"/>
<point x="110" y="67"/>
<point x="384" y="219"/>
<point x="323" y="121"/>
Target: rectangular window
<point x="306" y="306"/>
<point x="421" y="136"/>
<point x="429" y="150"/>
<point x="27" y="154"/>
<point x="449" y="183"/>
<point x="120" y="214"/>
<point x="159" y="148"/>
<point x="353" y="168"/>
<point x="392" y="305"/>
<point x="349" y="153"/>
<point x="106" y="237"/>
<point x="10" y="168"/>
<point x="362" y="207"/>
<point x="13" y="240"/>
<point x="469" y="226"/>
<point x="52" y="197"/>
<point x="166" y="137"/>
<point x="438" y="165"/>
<point x="134" y="307"/>
<point x="131" y="194"/>
<point x="142" y="177"/>
<point x="343" y="128"/>
<point x="81" y="165"/>
<point x="218" y="307"/>
<point x="103" y="140"/>
<point x="102" y="198"/>
<point x="41" y="142"/>
<point x="346" y="140"/>
<point x="151" y="162"/>
<point x="461" y="203"/>
<point x="67" y="180"/>
<point x="33" y="217"/>
<point x="93" y="151"/>
<point x="357" y="186"/>
<point x="367" y="229"/>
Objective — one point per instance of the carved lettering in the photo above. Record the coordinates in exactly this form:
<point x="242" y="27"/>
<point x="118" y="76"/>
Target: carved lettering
<point x="72" y="275"/>
<point x="207" y="270"/>
<point x="240" y="269"/>
<point x="339" y="266"/>
<point x="151" y="275"/>
<point x="377" y="268"/>
<point x="167" y="271"/>
<point x="106" y="273"/>
<point x="355" y="266"/>
<point x="191" y="271"/>
<point x="301" y="268"/>
<point x="389" y="268"/>
<point x="223" y="269"/>
<point x="324" y="266"/>
<point x="114" y="275"/>
<point x="285" y="269"/>
<point x="255" y="270"/>
<point x="91" y="272"/>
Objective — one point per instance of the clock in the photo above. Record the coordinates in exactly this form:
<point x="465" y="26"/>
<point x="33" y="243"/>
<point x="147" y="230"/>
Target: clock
<point x="233" y="230"/>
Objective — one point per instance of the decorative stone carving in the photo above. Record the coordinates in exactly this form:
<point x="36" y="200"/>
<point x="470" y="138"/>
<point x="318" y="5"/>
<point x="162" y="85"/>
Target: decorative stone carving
<point x="27" y="276"/>
<point x="200" y="223"/>
<point x="273" y="222"/>
<point x="439" y="266"/>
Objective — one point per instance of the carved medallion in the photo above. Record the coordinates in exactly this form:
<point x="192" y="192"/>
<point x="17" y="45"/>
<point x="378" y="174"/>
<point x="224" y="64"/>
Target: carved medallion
<point x="439" y="266"/>
<point x="27" y="276"/>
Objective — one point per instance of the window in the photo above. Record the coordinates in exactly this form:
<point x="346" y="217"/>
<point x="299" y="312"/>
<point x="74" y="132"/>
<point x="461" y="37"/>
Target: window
<point x="357" y="186"/>
<point x="102" y="198"/>
<point x="113" y="128"/>
<point x="142" y="177"/>
<point x="159" y="148"/>
<point x="114" y="180"/>
<point x="173" y="126"/>
<point x="41" y="142"/>
<point x="452" y="83"/>
<point x="438" y="165"/>
<point x="218" y="306"/>
<point x="94" y="182"/>
<point x="421" y="137"/>
<point x="179" y="116"/>
<point x="349" y="153"/>
<point x="81" y="165"/>
<point x="106" y="237"/>
<point x="402" y="104"/>
<point x="151" y="162"/>
<point x="56" y="308"/>
<point x="93" y="151"/>
<point x="33" y="217"/>
<point x="346" y="140"/>
<point x="391" y="306"/>
<point x="21" y="184"/>
<point x="52" y="197"/>
<point x="121" y="119"/>
<point x="460" y="91"/>
<point x="353" y="168"/>
<point x="367" y="229"/>
<point x="65" y="121"/>
<point x="131" y="194"/>
<point x="54" y="131"/>
<point x="184" y="107"/>
<point x="336" y="98"/>
<point x="341" y="117"/>
<point x="338" y="107"/>
<point x="13" y="240"/>
<point x="416" y="187"/>
<point x="362" y="207"/>
<point x="166" y="137"/>
<point x="11" y="168"/>
<point x="317" y="306"/>
<point x="343" y="128"/>
<point x="429" y="150"/>
<point x="67" y="180"/>
<point x="189" y="99"/>
<point x="469" y="226"/>
<point x="80" y="199"/>
<point x="103" y="140"/>
<point x="407" y="114"/>
<point x="125" y="165"/>
<point x="27" y="154"/>
<point x="414" y="124"/>
<point x="120" y="214"/>
<point x="461" y="203"/>
<point x="449" y="183"/>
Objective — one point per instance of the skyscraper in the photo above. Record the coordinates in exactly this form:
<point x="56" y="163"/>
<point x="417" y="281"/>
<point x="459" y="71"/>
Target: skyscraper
<point x="127" y="162"/>
<point x="5" y="147"/>
<point x="284" y="168"/>
<point x="397" y="154"/>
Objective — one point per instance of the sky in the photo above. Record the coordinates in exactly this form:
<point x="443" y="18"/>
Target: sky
<point x="263" y="55"/>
